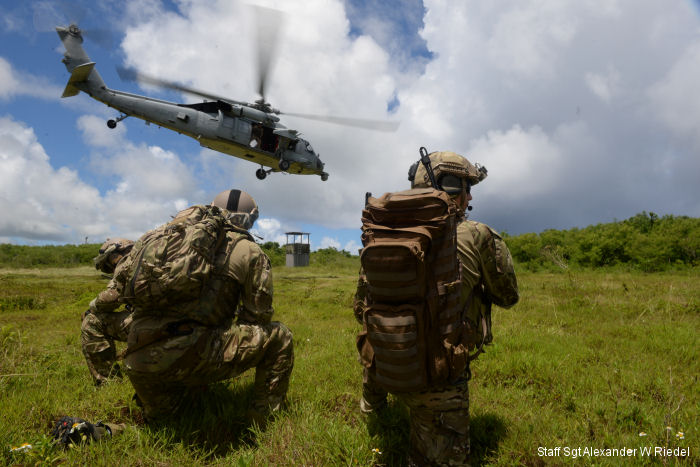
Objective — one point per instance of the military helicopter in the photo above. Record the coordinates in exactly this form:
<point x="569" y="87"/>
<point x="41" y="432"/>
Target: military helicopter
<point x="250" y="131"/>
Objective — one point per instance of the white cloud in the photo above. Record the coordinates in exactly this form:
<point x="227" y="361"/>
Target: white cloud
<point x="676" y="98"/>
<point x="604" y="85"/>
<point x="271" y="230"/>
<point x="576" y="108"/>
<point x="40" y="202"/>
<point x="328" y="242"/>
<point x="527" y="41"/>
<point x="17" y="83"/>
<point x="8" y="82"/>
<point x="96" y="133"/>
<point x="521" y="156"/>
<point x="543" y="92"/>
<point x="352" y="247"/>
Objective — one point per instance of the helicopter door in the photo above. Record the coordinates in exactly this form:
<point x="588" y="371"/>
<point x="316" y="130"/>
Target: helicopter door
<point x="269" y="140"/>
<point x="242" y="132"/>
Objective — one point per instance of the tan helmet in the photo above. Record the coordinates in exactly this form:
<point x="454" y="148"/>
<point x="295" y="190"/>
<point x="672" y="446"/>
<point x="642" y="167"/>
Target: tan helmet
<point x="450" y="170"/>
<point x="242" y="207"/>
<point x="111" y="252"/>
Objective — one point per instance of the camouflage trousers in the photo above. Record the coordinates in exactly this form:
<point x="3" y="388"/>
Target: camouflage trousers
<point x="98" y="332"/>
<point x="439" y="422"/>
<point x="164" y="371"/>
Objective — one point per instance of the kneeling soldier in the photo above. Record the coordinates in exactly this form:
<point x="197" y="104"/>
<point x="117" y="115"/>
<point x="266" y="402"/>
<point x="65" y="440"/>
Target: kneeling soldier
<point x="171" y="351"/>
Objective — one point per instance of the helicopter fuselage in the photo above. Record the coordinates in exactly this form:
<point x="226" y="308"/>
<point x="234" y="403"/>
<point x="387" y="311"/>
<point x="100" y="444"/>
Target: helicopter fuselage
<point x="222" y="127"/>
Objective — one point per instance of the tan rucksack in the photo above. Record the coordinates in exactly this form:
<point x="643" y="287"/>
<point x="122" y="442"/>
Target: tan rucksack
<point x="413" y="320"/>
<point x="170" y="267"/>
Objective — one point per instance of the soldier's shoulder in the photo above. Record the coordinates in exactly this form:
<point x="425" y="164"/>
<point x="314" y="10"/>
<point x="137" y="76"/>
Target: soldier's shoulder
<point x="244" y="247"/>
<point x="477" y="229"/>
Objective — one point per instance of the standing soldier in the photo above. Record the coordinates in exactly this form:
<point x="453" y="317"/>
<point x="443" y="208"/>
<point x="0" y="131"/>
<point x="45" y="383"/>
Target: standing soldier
<point x="439" y="416"/>
<point x="171" y="350"/>
<point x="101" y="324"/>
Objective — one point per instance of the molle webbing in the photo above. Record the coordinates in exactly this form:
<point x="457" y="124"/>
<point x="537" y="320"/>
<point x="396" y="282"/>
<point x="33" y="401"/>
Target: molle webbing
<point x="176" y="266"/>
<point x="410" y="262"/>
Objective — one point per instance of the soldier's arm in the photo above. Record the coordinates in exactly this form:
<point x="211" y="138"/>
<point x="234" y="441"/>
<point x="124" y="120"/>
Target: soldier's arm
<point x="256" y="290"/>
<point x="500" y="282"/>
<point x="107" y="300"/>
<point x="469" y="257"/>
<point x="486" y="258"/>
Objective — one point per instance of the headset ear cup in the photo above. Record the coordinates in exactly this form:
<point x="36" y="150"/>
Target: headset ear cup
<point x="412" y="172"/>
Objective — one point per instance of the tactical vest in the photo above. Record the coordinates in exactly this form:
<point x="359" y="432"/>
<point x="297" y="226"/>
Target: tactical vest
<point x="413" y="320"/>
<point x="178" y="267"/>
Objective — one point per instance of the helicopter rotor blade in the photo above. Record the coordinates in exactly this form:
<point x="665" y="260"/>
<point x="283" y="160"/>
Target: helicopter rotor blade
<point x="46" y="15"/>
<point x="130" y="74"/>
<point x="268" y="23"/>
<point x="367" y="124"/>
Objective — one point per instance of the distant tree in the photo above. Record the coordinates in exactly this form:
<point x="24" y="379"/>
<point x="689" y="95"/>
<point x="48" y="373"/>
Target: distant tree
<point x="644" y="241"/>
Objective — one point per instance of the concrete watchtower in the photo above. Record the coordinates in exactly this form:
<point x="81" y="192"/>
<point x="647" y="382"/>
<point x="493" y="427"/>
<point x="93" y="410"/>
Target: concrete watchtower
<point x="298" y="251"/>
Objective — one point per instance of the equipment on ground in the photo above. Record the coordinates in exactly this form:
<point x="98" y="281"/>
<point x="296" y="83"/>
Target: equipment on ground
<point x="74" y="431"/>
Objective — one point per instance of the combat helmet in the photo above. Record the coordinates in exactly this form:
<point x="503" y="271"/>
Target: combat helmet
<point x="243" y="211"/>
<point x="111" y="252"/>
<point x="451" y="171"/>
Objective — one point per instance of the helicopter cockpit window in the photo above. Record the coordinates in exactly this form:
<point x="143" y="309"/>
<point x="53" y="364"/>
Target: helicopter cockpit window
<point x="308" y="147"/>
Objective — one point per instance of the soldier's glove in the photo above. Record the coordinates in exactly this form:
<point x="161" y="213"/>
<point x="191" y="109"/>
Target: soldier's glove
<point x="75" y="431"/>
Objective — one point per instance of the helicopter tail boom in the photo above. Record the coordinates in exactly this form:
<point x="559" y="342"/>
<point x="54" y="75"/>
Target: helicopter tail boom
<point x="84" y="76"/>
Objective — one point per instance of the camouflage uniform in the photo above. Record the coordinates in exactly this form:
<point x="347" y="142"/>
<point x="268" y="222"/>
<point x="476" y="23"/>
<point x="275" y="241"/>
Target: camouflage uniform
<point x="101" y="325"/>
<point x="439" y="417"/>
<point x="169" y="353"/>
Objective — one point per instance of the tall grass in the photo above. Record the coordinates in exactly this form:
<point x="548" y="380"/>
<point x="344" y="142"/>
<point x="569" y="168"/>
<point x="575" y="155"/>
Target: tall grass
<point x="585" y="359"/>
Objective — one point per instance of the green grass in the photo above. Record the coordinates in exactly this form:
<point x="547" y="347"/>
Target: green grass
<point x="586" y="359"/>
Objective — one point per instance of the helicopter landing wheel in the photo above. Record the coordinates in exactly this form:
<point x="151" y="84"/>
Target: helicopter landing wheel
<point x="284" y="164"/>
<point x="324" y="176"/>
<point x="112" y="122"/>
<point x="261" y="174"/>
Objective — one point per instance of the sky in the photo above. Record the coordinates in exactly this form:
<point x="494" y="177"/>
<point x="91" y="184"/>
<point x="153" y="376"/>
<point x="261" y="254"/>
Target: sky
<point x="583" y="111"/>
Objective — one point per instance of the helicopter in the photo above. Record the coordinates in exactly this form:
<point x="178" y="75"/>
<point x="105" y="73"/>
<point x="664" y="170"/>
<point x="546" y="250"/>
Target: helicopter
<point x="249" y="131"/>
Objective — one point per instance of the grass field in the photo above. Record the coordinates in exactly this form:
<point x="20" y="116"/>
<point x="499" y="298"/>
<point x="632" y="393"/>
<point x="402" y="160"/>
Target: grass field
<point x="587" y="359"/>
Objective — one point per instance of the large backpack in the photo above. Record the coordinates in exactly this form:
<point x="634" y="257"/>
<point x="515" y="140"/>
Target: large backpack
<point x="170" y="267"/>
<point x="413" y="319"/>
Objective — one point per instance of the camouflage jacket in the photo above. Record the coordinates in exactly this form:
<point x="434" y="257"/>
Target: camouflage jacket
<point x="244" y="284"/>
<point x="107" y="300"/>
<point x="487" y="269"/>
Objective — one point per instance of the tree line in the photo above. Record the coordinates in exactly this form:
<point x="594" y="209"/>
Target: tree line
<point x="644" y="242"/>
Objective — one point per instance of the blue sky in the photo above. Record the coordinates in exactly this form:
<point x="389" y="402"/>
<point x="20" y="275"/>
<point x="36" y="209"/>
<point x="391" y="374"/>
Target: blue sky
<point x="583" y="112"/>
